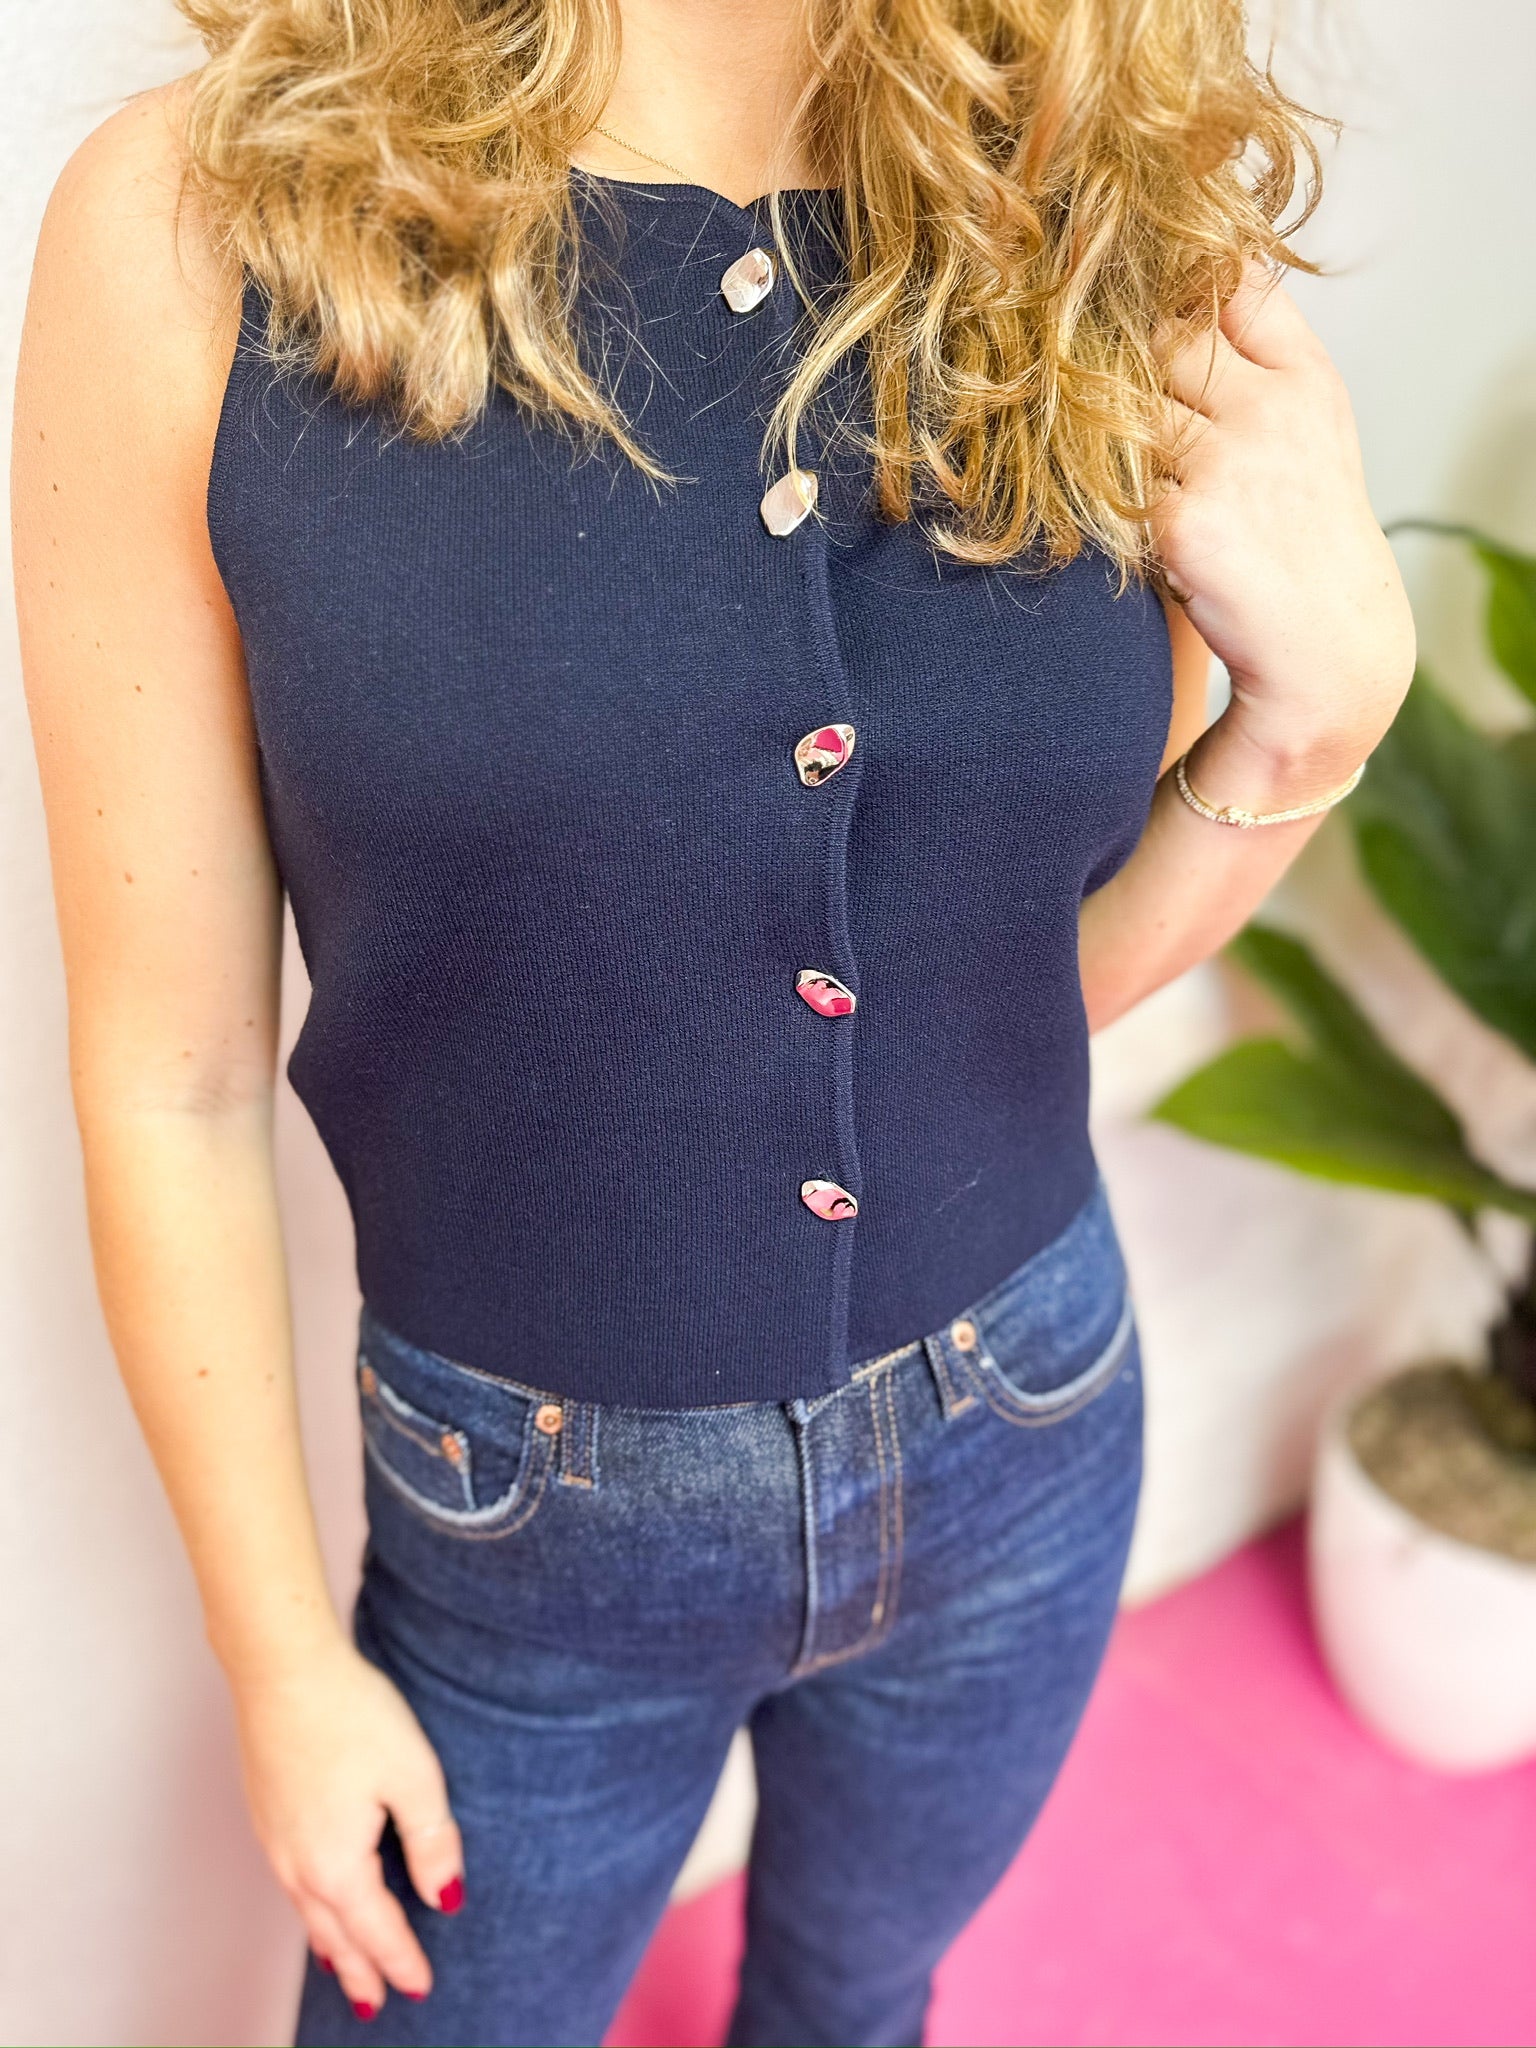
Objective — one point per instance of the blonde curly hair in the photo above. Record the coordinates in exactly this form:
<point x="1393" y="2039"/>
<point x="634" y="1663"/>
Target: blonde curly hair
<point x="1028" y="189"/>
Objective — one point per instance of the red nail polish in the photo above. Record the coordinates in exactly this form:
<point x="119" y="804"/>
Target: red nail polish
<point x="327" y="1965"/>
<point x="451" y="1897"/>
<point x="363" y="2009"/>
<point x="417" y="1996"/>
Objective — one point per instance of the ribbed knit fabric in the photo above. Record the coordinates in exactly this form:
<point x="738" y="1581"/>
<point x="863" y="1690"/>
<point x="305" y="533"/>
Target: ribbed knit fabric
<point x="526" y="728"/>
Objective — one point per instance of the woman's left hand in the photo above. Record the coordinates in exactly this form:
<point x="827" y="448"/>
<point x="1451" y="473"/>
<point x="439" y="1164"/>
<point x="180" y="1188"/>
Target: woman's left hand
<point x="1268" y="539"/>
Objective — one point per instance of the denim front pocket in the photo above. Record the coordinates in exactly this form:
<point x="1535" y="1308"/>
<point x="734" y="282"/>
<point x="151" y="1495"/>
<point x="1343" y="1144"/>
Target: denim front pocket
<point x="1058" y="1331"/>
<point x="1035" y="1387"/>
<point x="463" y="1449"/>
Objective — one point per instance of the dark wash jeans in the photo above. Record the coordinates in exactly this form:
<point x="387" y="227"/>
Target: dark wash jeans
<point x="903" y="1588"/>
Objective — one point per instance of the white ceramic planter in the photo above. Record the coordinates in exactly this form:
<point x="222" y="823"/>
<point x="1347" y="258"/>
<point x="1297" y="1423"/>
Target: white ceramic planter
<point x="1432" y="1641"/>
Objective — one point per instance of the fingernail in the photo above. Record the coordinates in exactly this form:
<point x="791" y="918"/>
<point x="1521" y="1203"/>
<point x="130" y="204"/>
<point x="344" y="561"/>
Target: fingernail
<point x="363" y="2009"/>
<point x="327" y="1965"/>
<point x="418" y="1996"/>
<point x="451" y="1897"/>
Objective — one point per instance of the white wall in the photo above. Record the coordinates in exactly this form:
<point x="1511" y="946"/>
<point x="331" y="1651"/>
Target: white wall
<point x="134" y="1908"/>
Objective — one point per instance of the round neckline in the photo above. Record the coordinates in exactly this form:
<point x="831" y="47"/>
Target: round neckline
<point x="683" y="188"/>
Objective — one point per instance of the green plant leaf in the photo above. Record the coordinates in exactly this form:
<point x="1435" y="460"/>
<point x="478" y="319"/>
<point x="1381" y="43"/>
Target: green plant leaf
<point x="1509" y="610"/>
<point x="1510" y="617"/>
<point x="1345" y="1108"/>
<point x="1445" y="825"/>
<point x="1343" y="1038"/>
<point x="1265" y="1098"/>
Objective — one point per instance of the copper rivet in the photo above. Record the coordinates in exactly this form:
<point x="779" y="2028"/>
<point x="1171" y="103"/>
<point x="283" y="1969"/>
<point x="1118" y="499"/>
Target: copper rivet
<point x="963" y="1334"/>
<point x="369" y="1380"/>
<point x="549" y="1418"/>
<point x="452" y="1449"/>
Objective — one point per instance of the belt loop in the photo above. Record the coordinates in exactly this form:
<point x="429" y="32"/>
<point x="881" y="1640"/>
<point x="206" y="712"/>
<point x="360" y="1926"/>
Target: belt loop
<point x="950" y="1402"/>
<point x="578" y="1444"/>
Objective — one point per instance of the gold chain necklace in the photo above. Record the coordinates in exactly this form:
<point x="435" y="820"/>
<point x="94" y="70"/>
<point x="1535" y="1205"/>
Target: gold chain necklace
<point x="598" y="129"/>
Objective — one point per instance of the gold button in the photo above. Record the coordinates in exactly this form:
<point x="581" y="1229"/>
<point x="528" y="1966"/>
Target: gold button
<point x="963" y="1334"/>
<point x="549" y="1418"/>
<point x="826" y="995"/>
<point x="368" y="1380"/>
<point x="821" y="753"/>
<point x="452" y="1449"/>
<point x="826" y="1199"/>
<point x="787" y="502"/>
<point x="748" y="281"/>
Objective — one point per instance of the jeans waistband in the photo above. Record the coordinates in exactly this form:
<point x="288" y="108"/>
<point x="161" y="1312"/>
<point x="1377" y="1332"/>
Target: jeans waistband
<point x="1055" y="1287"/>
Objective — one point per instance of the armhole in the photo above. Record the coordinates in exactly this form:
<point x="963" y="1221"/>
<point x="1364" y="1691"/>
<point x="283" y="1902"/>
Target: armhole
<point x="251" y="371"/>
<point x="1161" y="658"/>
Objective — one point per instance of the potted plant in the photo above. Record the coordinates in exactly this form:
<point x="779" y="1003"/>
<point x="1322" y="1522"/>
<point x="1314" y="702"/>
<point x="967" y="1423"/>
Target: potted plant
<point x="1422" y="1537"/>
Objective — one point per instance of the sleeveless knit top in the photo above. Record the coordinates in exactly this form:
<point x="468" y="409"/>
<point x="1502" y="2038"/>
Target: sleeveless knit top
<point x="688" y="882"/>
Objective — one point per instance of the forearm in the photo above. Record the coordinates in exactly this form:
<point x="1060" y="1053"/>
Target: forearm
<point x="1192" y="883"/>
<point x="189" y="1263"/>
<point x="1265" y="533"/>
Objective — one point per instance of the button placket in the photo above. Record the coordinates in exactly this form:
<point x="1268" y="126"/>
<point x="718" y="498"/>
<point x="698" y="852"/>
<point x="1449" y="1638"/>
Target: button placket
<point x="817" y="756"/>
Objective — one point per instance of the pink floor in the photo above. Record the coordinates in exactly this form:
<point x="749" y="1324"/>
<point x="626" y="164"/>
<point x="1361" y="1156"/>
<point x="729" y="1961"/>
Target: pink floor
<point x="1226" y="1859"/>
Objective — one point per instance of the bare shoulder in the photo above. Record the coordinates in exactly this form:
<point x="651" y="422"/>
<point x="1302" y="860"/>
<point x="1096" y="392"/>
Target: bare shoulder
<point x="133" y="313"/>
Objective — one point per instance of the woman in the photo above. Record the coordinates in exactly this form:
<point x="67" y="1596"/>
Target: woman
<point x="644" y="519"/>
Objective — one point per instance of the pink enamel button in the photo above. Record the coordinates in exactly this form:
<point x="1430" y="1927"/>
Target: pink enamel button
<point x="826" y="1199"/>
<point x="822" y="752"/>
<point x="824" y="992"/>
<point x="748" y="281"/>
<point x="788" y="501"/>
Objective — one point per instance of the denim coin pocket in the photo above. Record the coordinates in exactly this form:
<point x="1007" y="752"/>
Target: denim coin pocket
<point x="457" y="1446"/>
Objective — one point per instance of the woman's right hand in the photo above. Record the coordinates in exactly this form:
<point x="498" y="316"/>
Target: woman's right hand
<point x="331" y="1750"/>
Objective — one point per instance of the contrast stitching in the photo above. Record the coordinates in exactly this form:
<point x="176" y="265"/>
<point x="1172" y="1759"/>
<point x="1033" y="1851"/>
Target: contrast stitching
<point x="399" y="1413"/>
<point x="468" y="1524"/>
<point x="391" y="1419"/>
<point x="806" y="1660"/>
<point x="886" y="1602"/>
<point x="831" y="1657"/>
<point x="950" y="1402"/>
<point x="578" y="1443"/>
<point x="393" y="1411"/>
<point x="877" y="1606"/>
<point x="873" y="1365"/>
<point x="892" y="1536"/>
<point x="1041" y="1410"/>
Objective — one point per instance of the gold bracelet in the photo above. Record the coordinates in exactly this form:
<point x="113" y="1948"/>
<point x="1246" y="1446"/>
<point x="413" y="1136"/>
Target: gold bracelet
<point x="1234" y="814"/>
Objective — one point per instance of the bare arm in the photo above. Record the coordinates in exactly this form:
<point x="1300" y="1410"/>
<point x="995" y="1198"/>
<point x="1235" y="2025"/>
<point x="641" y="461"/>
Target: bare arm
<point x="169" y="911"/>
<point x="1289" y="579"/>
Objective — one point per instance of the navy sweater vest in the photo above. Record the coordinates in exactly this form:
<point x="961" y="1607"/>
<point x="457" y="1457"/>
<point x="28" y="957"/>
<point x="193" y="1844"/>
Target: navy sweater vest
<point x="528" y="729"/>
